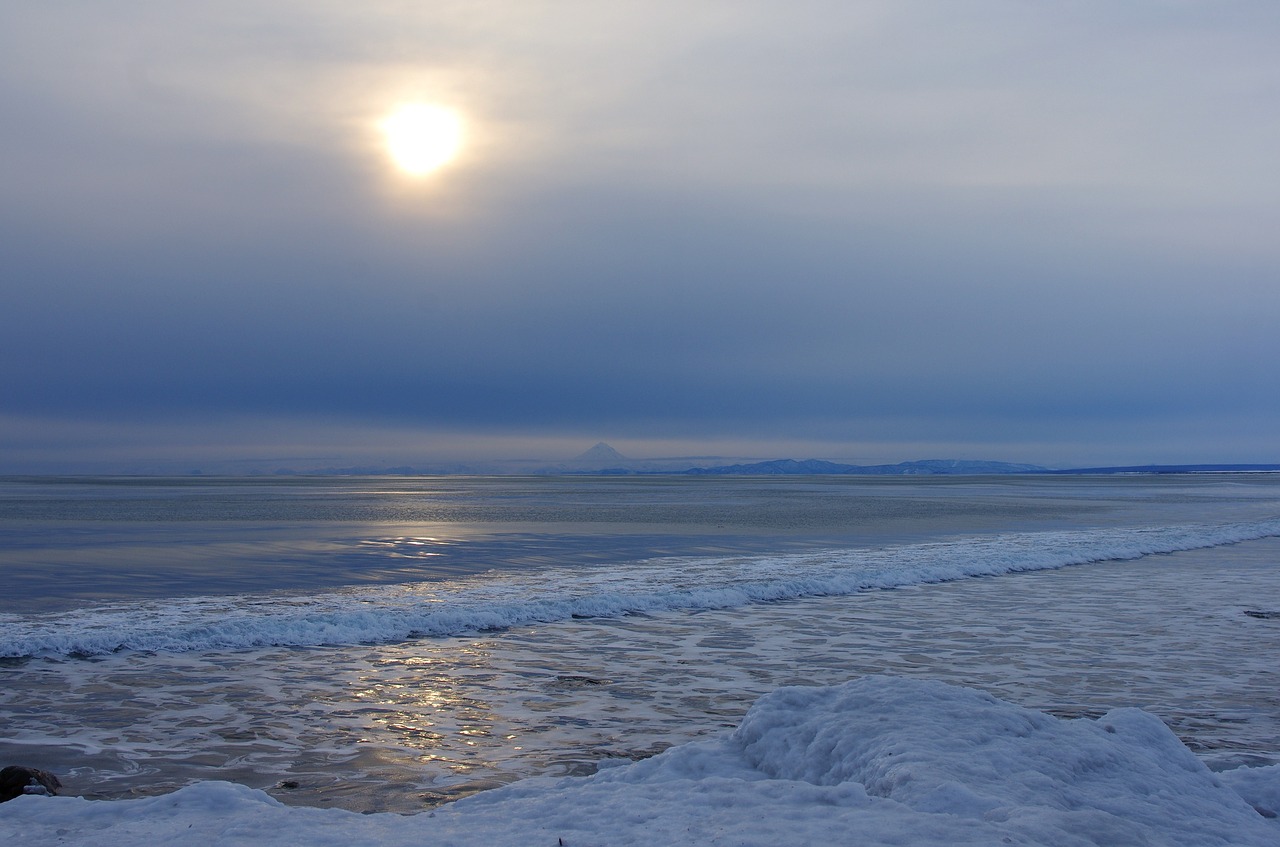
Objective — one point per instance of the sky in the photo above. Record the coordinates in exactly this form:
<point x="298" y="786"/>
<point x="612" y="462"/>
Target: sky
<point x="854" y="230"/>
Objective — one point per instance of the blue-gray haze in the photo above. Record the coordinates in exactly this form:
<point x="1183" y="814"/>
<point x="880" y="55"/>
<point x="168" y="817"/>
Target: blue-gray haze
<point x="866" y="231"/>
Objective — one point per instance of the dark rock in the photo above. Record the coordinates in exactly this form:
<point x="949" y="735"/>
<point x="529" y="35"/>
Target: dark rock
<point x="16" y="780"/>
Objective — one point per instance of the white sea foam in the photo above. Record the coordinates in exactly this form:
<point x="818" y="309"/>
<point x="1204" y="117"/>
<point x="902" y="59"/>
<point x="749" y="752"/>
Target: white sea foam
<point x="879" y="760"/>
<point x="394" y="613"/>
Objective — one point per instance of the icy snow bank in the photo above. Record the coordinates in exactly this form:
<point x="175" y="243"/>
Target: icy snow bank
<point x="1260" y="787"/>
<point x="875" y="761"/>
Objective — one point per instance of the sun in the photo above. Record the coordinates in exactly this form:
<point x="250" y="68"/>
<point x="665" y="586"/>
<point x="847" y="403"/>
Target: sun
<point x="421" y="138"/>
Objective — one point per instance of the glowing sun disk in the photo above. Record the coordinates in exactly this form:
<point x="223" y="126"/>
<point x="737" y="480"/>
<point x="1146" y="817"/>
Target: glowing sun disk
<point x="421" y="137"/>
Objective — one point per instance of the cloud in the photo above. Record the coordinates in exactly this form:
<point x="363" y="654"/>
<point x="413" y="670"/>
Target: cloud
<point x="893" y="224"/>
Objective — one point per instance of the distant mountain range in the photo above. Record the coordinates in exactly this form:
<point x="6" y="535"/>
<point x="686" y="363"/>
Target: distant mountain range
<point x="603" y="459"/>
<point x="926" y="467"/>
<point x="1140" y="469"/>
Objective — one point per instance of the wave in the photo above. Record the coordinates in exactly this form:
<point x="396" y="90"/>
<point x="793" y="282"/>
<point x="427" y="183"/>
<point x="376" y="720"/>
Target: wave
<point x="396" y="613"/>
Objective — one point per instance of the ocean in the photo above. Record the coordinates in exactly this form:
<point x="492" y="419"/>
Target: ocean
<point x="393" y="644"/>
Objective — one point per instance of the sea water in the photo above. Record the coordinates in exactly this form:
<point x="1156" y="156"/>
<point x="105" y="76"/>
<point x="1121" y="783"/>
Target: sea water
<point x="390" y="644"/>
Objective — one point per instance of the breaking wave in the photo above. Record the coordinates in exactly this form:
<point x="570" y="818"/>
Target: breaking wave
<point x="395" y="613"/>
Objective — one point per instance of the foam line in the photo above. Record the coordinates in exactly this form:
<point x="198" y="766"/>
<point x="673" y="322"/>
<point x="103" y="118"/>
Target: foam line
<point x="394" y="613"/>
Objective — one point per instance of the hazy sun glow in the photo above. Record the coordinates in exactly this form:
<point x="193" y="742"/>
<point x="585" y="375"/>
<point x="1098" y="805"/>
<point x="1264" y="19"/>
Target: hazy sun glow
<point x="421" y="137"/>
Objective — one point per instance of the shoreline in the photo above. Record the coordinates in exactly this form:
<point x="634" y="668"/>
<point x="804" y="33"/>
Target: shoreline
<point x="426" y="720"/>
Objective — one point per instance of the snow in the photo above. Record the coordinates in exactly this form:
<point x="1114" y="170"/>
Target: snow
<point x="1260" y="787"/>
<point x="875" y="761"/>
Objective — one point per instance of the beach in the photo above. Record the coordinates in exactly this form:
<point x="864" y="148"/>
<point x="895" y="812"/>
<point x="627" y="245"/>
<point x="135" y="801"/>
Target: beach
<point x="639" y="656"/>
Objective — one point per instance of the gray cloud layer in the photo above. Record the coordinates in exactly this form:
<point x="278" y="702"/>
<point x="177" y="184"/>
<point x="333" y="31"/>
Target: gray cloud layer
<point x="1010" y="230"/>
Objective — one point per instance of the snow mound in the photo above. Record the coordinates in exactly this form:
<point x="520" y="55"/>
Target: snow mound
<point x="876" y="761"/>
<point x="945" y="750"/>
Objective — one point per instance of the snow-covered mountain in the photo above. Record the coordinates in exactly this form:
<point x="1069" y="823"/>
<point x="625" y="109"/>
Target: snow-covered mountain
<point x="926" y="467"/>
<point x="602" y="455"/>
